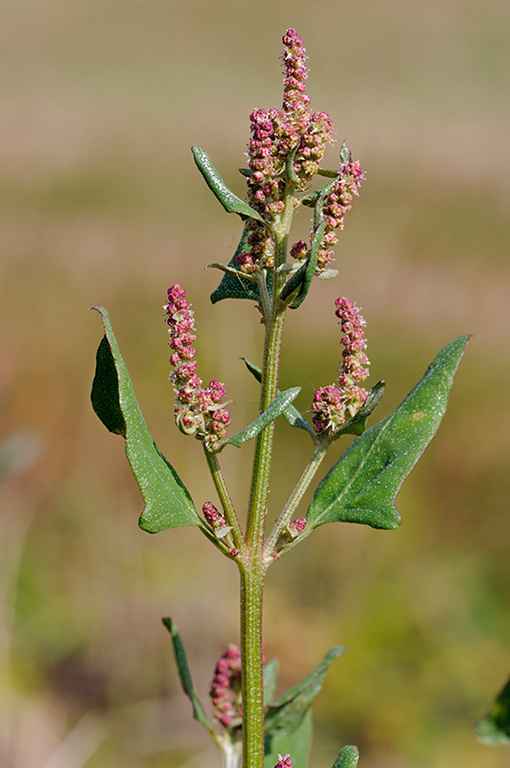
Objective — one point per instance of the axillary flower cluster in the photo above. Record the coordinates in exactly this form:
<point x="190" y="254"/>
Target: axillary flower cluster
<point x="198" y="411"/>
<point x="226" y="689"/>
<point x="332" y="406"/>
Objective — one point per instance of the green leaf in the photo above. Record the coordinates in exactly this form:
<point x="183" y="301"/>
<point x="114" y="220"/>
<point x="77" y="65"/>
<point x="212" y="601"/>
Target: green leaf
<point x="270" y="675"/>
<point x="277" y="407"/>
<point x="284" y="716"/>
<point x="345" y="154"/>
<point x="291" y="413"/>
<point x="361" y="486"/>
<point x="347" y="757"/>
<point x="237" y="287"/>
<point x="297" y="287"/>
<point x="495" y="726"/>
<point x="168" y="503"/>
<point x="296" y="744"/>
<point x="105" y="390"/>
<point x="230" y="202"/>
<point x="299" y="742"/>
<point x="185" y="675"/>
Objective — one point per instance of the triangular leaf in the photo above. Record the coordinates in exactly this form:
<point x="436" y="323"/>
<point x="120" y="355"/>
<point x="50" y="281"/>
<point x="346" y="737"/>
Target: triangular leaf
<point x="495" y="726"/>
<point x="168" y="503"/>
<point x="230" y="202"/>
<point x="285" y="715"/>
<point x="362" y="485"/>
<point x="277" y="407"/>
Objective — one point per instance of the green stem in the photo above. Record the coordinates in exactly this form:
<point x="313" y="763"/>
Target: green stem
<point x="226" y="501"/>
<point x="252" y="565"/>
<point x="295" y="498"/>
<point x="252" y="585"/>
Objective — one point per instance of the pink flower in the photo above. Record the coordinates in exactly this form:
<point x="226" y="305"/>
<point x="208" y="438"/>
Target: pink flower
<point x="284" y="762"/>
<point x="299" y="525"/>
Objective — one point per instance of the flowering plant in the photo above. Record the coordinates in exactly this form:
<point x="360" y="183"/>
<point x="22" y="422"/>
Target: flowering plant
<point x="285" y="152"/>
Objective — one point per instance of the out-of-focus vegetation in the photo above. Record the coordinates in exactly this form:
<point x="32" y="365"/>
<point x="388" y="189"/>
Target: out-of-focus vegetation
<point x="101" y="203"/>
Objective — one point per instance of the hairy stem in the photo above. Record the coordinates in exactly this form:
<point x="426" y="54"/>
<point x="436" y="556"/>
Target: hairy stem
<point x="226" y="501"/>
<point x="252" y="585"/>
<point x="295" y="497"/>
<point x="252" y="565"/>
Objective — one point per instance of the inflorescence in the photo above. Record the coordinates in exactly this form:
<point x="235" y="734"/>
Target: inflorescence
<point x="334" y="405"/>
<point x="293" y="133"/>
<point x="198" y="411"/>
<point x="226" y="688"/>
<point x="284" y="762"/>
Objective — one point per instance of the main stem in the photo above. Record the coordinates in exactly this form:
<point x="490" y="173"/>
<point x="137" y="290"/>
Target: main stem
<point x="253" y="568"/>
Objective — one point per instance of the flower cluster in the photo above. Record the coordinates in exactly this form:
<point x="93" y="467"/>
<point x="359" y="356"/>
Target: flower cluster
<point x="274" y="135"/>
<point x="298" y="526"/>
<point x="338" y="202"/>
<point x="198" y="410"/>
<point x="213" y="517"/>
<point x="336" y="205"/>
<point x="283" y="762"/>
<point x="226" y="688"/>
<point x="334" y="405"/>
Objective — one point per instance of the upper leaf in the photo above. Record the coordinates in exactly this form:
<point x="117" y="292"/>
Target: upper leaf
<point x="361" y="486"/>
<point x="300" y="283"/>
<point x="168" y="503"/>
<point x="237" y="286"/>
<point x="291" y="413"/>
<point x="275" y="409"/>
<point x="230" y="202"/>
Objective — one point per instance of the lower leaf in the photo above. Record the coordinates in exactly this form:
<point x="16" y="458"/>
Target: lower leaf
<point x="362" y="485"/>
<point x="168" y="503"/>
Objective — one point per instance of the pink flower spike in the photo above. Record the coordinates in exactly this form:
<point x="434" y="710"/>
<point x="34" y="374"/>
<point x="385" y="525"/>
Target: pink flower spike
<point x="226" y="688"/>
<point x="284" y="762"/>
<point x="198" y="411"/>
<point x="334" y="405"/>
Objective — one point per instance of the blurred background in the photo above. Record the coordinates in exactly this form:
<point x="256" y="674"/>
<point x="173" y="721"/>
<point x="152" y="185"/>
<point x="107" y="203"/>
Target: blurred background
<point x="101" y="204"/>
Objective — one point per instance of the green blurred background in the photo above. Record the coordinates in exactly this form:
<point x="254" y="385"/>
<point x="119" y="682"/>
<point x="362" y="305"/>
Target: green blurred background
<point x="101" y="204"/>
